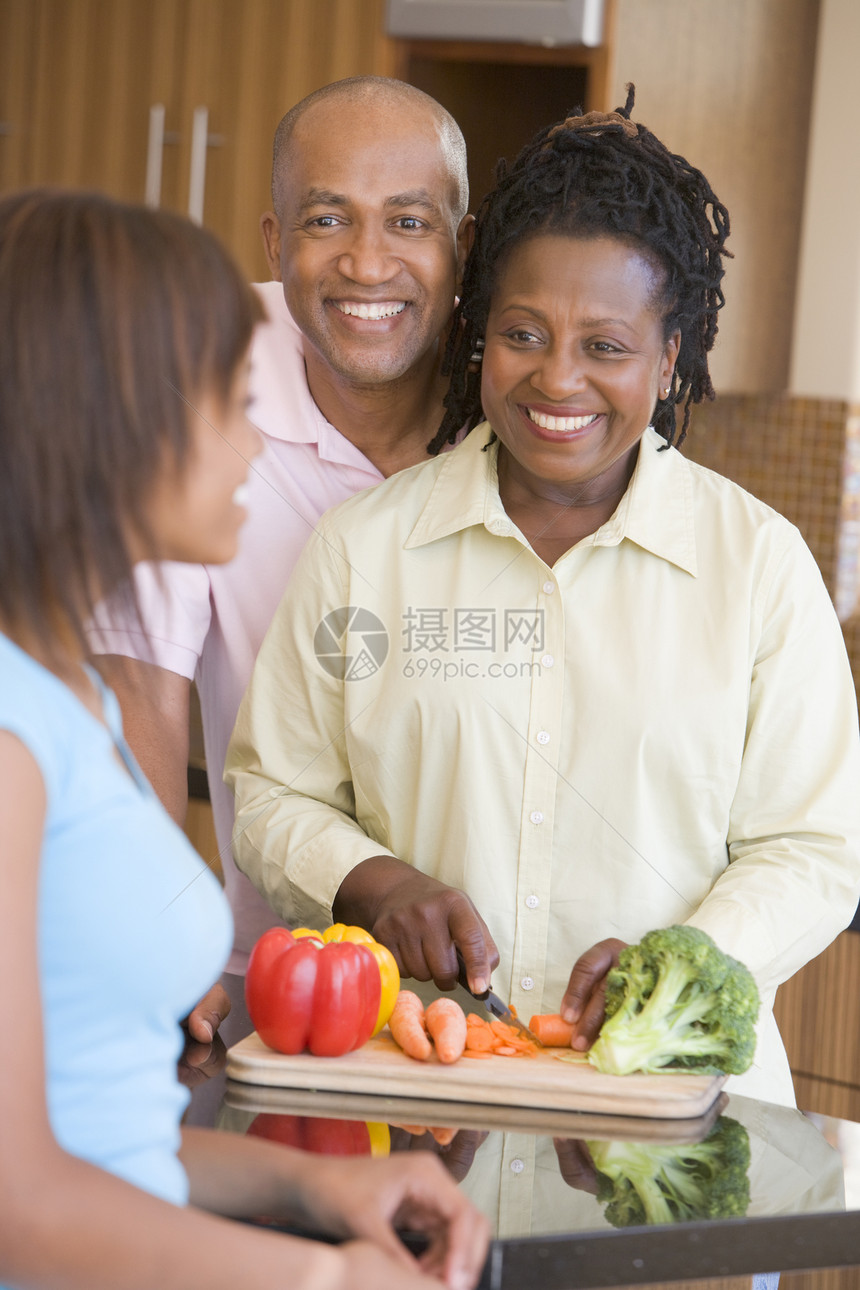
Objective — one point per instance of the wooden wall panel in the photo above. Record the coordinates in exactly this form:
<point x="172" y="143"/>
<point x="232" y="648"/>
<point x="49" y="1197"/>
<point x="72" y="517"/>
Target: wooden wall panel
<point x="825" y="1279"/>
<point x="249" y="61"/>
<point x="99" y="65"/>
<point x="818" y="1016"/>
<point x="78" y="79"/>
<point x="729" y="86"/>
<point x="17" y="57"/>
<point x="200" y="831"/>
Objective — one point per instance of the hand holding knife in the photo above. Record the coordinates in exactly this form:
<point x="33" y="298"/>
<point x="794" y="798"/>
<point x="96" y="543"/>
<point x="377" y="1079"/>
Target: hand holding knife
<point x="493" y="1003"/>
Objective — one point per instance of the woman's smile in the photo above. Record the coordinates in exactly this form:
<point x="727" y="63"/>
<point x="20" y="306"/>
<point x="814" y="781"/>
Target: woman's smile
<point x="559" y="423"/>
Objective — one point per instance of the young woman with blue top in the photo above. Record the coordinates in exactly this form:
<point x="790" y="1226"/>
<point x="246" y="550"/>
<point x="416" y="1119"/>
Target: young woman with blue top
<point x="123" y="437"/>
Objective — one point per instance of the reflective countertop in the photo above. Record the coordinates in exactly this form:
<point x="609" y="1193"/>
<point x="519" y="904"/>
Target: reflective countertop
<point x="533" y="1174"/>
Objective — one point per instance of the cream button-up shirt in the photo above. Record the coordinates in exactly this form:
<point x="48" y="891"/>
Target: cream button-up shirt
<point x="660" y="728"/>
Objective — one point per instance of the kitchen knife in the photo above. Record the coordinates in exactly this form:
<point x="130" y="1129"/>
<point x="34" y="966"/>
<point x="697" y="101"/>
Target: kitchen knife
<point x="494" y="1005"/>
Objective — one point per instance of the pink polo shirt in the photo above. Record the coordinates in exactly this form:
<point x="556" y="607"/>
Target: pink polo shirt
<point x="207" y="621"/>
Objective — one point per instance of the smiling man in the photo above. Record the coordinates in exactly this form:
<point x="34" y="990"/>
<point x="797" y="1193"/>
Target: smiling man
<point x="366" y="242"/>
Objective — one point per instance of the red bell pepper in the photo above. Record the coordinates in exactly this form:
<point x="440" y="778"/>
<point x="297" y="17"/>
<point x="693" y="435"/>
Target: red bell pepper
<point x="301" y="995"/>
<point x="309" y="1133"/>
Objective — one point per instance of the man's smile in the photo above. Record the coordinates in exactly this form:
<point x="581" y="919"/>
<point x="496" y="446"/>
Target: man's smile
<point x="373" y="311"/>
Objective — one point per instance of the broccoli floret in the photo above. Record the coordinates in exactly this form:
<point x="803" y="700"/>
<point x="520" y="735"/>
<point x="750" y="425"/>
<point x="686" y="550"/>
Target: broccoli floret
<point x="663" y="1183"/>
<point x="676" y="1000"/>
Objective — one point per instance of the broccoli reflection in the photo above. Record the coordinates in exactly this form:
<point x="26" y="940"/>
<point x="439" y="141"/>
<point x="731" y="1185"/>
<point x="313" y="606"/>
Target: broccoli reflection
<point x="644" y="1183"/>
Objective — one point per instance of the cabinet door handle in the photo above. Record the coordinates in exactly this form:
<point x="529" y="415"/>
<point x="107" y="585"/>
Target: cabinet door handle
<point x="197" y="172"/>
<point x="154" y="156"/>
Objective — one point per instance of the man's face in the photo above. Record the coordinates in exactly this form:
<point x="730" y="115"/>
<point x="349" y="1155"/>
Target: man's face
<point x="367" y="246"/>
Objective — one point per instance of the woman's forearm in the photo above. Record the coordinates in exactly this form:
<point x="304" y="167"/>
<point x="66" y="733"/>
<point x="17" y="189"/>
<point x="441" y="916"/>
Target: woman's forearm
<point x="241" y="1176"/>
<point x="92" y="1231"/>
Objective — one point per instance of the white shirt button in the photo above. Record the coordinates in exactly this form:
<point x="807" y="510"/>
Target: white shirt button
<point x="527" y="983"/>
<point x="532" y="902"/>
<point x="542" y="737"/>
<point x="547" y="660"/>
<point x="517" y="1165"/>
<point x="549" y="587"/>
<point x="536" y="817"/>
<point x="502" y="527"/>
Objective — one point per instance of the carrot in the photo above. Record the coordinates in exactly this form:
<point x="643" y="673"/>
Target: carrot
<point x="406" y="1024"/>
<point x="479" y="1040"/>
<point x="446" y="1024"/>
<point x="551" y="1030"/>
<point x="477" y="1052"/>
<point x="522" y="1047"/>
<point x="483" y="1036"/>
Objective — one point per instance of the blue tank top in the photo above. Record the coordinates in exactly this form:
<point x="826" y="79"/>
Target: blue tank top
<point x="132" y="931"/>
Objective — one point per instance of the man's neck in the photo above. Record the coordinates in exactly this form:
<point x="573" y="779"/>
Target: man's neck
<point x="391" y="423"/>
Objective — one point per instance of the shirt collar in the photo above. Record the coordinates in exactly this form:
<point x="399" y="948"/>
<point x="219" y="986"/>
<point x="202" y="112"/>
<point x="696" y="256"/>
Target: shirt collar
<point x="656" y="511"/>
<point x="280" y="401"/>
<point x="281" y="404"/>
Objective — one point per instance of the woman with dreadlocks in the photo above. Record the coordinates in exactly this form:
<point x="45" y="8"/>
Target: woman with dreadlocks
<point x="561" y="675"/>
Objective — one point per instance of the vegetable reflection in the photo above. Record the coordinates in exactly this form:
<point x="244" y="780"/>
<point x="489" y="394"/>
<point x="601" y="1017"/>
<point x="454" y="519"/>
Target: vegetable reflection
<point x="648" y="1183"/>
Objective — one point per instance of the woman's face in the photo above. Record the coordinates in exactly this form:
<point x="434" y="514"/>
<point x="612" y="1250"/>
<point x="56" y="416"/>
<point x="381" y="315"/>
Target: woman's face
<point x="574" y="363"/>
<point x="196" y="511"/>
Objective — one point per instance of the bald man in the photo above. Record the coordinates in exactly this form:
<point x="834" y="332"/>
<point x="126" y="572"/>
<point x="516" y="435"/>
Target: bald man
<point x="365" y="244"/>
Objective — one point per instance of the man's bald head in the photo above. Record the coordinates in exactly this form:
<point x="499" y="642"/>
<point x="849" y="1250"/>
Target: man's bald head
<point x="376" y="93"/>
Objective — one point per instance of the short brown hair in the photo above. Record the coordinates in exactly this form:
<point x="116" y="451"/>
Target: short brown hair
<point x="114" y="319"/>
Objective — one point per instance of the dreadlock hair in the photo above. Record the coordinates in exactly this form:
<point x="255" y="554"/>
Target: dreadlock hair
<point x="592" y="176"/>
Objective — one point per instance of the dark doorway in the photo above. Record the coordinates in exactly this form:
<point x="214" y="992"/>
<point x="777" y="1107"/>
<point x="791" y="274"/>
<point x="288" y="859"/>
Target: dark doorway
<point x="498" y="105"/>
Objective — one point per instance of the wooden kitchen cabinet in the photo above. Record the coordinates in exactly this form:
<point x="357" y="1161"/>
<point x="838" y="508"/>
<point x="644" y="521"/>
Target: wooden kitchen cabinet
<point x="818" y="1014"/>
<point x="78" y="80"/>
<point x="84" y="75"/>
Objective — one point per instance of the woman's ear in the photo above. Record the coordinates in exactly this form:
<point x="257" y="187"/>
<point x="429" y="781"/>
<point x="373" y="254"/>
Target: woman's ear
<point x="465" y="238"/>
<point x="670" y="358"/>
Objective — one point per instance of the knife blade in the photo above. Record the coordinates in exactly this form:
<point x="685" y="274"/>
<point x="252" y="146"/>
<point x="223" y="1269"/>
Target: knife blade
<point x="494" y="1004"/>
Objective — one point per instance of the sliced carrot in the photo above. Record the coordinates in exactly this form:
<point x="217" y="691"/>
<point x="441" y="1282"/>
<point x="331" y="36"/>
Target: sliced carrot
<point x="503" y="1030"/>
<point x="552" y="1030"/>
<point x="406" y="1024"/>
<point x="505" y="1051"/>
<point x="479" y="1040"/>
<point x="477" y="1052"/>
<point x="446" y="1024"/>
<point x="523" y="1048"/>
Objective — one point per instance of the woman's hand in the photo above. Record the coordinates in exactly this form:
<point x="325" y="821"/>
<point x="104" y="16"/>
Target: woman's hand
<point x="412" y="1192"/>
<point x="584" y="999"/>
<point x="421" y="920"/>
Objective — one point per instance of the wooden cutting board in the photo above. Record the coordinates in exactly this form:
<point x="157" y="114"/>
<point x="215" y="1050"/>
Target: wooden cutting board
<point x="542" y="1081"/>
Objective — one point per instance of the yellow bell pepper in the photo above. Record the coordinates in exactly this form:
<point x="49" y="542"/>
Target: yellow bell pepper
<point x="342" y="932"/>
<point x="388" y="970"/>
<point x="307" y="934"/>
<point x="380" y="1138"/>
